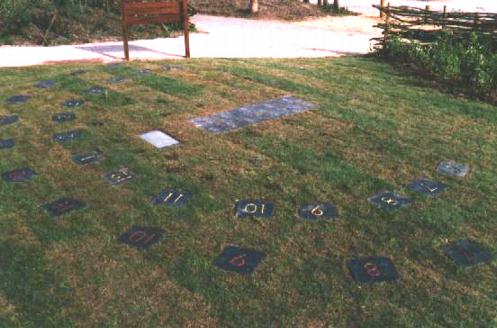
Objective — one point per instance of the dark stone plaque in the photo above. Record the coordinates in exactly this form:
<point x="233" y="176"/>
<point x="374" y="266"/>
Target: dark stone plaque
<point x="96" y="90"/>
<point x="63" y="206"/>
<point x="467" y="253"/>
<point x="116" y="79"/>
<point x="427" y="187"/>
<point x="10" y="119"/>
<point x="73" y="103"/>
<point x="254" y="208"/>
<point x="318" y="211"/>
<point x="372" y="269"/>
<point x="63" y="117"/>
<point x="7" y="143"/>
<point x="389" y="201"/>
<point x="118" y="177"/>
<point x="86" y="158"/>
<point x="141" y="237"/>
<point x="47" y="84"/>
<point x="18" y="99"/>
<point x="19" y="175"/>
<point x="237" y="259"/>
<point x="67" y="136"/>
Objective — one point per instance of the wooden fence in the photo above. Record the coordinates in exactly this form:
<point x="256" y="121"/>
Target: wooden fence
<point x="424" y="25"/>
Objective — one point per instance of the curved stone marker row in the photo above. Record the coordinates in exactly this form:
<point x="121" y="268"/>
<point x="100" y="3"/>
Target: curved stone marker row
<point x="235" y="258"/>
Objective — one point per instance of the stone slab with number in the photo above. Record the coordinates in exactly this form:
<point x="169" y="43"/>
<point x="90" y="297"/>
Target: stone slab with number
<point x="79" y="72"/>
<point x="453" y="169"/>
<point x="237" y="259"/>
<point x="141" y="237"/>
<point x="63" y="205"/>
<point x="19" y="175"/>
<point x="172" y="67"/>
<point x="86" y="158"/>
<point x="67" y="136"/>
<point x="97" y="90"/>
<point x="120" y="176"/>
<point x="427" y="187"/>
<point x="46" y="84"/>
<point x="73" y="103"/>
<point x="159" y="139"/>
<point x="372" y="269"/>
<point x="256" y="208"/>
<point x="172" y="197"/>
<point x="63" y="117"/>
<point x="116" y="80"/>
<point x="389" y="201"/>
<point x="318" y="211"/>
<point x="18" y="99"/>
<point x="467" y="253"/>
<point x="7" y="120"/>
<point x="7" y="143"/>
<point x="252" y="114"/>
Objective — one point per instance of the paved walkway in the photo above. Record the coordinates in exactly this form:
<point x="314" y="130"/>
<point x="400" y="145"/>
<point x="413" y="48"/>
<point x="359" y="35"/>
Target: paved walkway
<point x="219" y="37"/>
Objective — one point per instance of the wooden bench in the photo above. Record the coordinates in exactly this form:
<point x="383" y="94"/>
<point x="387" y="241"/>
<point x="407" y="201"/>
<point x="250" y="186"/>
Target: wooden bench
<point x="139" y="12"/>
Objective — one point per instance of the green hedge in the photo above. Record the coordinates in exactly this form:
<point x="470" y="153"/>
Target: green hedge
<point x="467" y="64"/>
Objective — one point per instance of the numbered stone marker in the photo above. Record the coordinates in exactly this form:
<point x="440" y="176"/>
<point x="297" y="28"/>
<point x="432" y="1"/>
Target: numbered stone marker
<point x="159" y="139"/>
<point x="19" y="175"/>
<point x="47" y="84"/>
<point x="141" y="237"/>
<point x="453" y="169"/>
<point x="372" y="269"/>
<point x="6" y="120"/>
<point x="467" y="253"/>
<point x="118" y="177"/>
<point x="389" y="201"/>
<point x="79" y="72"/>
<point x="237" y="259"/>
<point x="73" y="103"/>
<point x="254" y="208"/>
<point x="172" y="67"/>
<point x="318" y="211"/>
<point x="63" y="206"/>
<point x="86" y="158"/>
<point x="18" y="99"/>
<point x="67" y="136"/>
<point x="7" y="143"/>
<point x="172" y="197"/>
<point x="96" y="90"/>
<point x="427" y="187"/>
<point x="145" y="71"/>
<point x="116" y="80"/>
<point x="63" y="117"/>
<point x="252" y="114"/>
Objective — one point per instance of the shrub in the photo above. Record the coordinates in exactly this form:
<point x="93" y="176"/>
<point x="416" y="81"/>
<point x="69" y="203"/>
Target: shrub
<point x="466" y="63"/>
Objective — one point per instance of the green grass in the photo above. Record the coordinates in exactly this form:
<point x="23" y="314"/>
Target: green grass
<point x="374" y="130"/>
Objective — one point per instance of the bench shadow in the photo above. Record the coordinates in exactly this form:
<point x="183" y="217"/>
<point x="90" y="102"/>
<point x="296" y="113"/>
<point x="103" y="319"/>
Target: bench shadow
<point x="106" y="50"/>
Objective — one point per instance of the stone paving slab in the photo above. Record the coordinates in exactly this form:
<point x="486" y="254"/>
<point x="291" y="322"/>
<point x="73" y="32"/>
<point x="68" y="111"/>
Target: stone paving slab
<point x="252" y="114"/>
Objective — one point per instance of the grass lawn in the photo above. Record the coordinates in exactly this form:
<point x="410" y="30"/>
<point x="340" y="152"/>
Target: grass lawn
<point x="374" y="130"/>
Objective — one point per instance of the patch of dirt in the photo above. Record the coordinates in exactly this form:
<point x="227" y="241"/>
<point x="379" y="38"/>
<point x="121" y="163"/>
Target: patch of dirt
<point x="268" y="9"/>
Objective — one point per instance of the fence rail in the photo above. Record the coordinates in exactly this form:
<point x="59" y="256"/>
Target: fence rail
<point x="424" y="25"/>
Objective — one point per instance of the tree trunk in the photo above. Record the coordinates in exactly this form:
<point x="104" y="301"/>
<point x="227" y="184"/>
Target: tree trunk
<point x="254" y="6"/>
<point x="336" y="4"/>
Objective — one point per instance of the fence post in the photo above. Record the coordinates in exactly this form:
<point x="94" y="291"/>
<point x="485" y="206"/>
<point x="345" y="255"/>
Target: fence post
<point x="387" y="24"/>
<point x="427" y="9"/>
<point x="382" y="5"/>
<point x="475" y="23"/>
<point x="444" y="16"/>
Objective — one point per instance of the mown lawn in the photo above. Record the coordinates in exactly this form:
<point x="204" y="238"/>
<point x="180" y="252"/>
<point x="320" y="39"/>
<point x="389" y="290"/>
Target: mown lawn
<point x="374" y="130"/>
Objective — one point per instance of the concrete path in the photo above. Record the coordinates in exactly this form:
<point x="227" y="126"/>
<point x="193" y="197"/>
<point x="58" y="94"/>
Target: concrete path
<point x="219" y="37"/>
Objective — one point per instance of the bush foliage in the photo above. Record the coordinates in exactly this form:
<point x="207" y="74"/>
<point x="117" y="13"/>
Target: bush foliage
<point x="467" y="64"/>
<point x="65" y="21"/>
